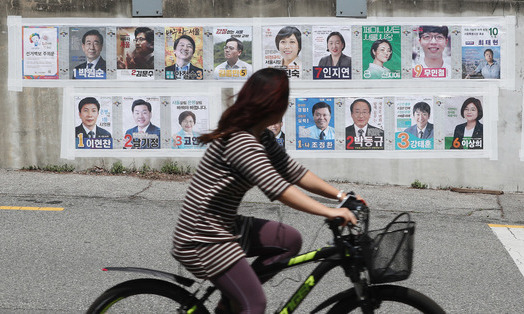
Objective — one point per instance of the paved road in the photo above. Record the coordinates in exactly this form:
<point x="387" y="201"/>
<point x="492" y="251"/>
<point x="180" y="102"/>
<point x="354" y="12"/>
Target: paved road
<point x="51" y="260"/>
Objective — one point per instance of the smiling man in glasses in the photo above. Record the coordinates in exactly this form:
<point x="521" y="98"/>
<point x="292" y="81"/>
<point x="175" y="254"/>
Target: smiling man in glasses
<point x="233" y="67"/>
<point x="434" y="40"/>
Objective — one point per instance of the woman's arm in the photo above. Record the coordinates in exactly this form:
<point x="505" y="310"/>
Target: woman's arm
<point x="296" y="199"/>
<point x="312" y="183"/>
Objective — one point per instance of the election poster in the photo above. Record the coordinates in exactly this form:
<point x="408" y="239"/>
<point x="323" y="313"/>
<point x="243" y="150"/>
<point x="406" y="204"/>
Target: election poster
<point x="94" y="123"/>
<point x="184" y="53"/>
<point x="364" y="123"/>
<point x="414" y="123"/>
<point x="87" y="55"/>
<point x="39" y="52"/>
<point x="315" y="123"/>
<point x="232" y="52"/>
<point x="463" y="127"/>
<point x="282" y="46"/>
<point x="278" y="130"/>
<point x="141" y="122"/>
<point x="331" y="52"/>
<point x="135" y="53"/>
<point x="381" y="52"/>
<point x="189" y="119"/>
<point x="431" y="52"/>
<point x="480" y="52"/>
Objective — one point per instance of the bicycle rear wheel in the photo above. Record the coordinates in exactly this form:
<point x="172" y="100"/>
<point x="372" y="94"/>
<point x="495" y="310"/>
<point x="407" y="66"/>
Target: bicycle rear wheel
<point x="145" y="296"/>
<point x="389" y="299"/>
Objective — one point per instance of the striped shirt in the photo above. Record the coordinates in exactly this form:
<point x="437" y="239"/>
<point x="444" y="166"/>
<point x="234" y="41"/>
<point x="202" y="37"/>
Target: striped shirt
<point x="204" y="239"/>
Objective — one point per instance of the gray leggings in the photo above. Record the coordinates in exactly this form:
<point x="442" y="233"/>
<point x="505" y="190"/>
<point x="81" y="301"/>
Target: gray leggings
<point x="271" y="241"/>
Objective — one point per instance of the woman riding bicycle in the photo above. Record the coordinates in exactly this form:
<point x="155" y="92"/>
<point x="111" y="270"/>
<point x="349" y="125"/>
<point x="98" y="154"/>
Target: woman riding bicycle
<point x="242" y="153"/>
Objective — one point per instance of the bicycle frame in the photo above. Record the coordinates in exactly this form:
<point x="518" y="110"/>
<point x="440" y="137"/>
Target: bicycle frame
<point x="330" y="258"/>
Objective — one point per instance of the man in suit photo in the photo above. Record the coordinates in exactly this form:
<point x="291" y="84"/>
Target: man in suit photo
<point x="233" y="67"/>
<point x="147" y="133"/>
<point x="277" y="130"/>
<point x="360" y="113"/>
<point x="422" y="129"/>
<point x="184" y="48"/>
<point x="88" y="109"/>
<point x="95" y="65"/>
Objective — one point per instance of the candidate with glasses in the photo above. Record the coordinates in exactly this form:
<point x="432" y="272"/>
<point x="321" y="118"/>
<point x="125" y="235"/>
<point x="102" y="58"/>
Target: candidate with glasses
<point x="233" y="67"/>
<point x="433" y="40"/>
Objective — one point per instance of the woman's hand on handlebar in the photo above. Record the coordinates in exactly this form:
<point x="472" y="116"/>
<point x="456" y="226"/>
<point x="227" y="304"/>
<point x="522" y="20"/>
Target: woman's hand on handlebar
<point x="343" y="213"/>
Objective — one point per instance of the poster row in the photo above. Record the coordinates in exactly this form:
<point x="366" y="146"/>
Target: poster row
<point x="315" y="123"/>
<point x="305" y="52"/>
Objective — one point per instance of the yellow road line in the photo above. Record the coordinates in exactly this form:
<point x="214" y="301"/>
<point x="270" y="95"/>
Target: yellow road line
<point x="32" y="208"/>
<point x="504" y="226"/>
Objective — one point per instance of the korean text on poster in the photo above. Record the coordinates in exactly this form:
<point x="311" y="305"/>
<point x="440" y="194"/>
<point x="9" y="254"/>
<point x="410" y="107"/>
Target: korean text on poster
<point x="381" y="51"/>
<point x="232" y="51"/>
<point x="282" y="49"/>
<point x="189" y="119"/>
<point x="141" y="122"/>
<point x="481" y="52"/>
<point x="135" y="53"/>
<point x="463" y="128"/>
<point x="87" y="53"/>
<point x="39" y="52"/>
<point x="431" y="52"/>
<point x="93" y="120"/>
<point x="184" y="53"/>
<point x="331" y="52"/>
<point x="414" y="123"/>
<point x="364" y="123"/>
<point x="315" y="123"/>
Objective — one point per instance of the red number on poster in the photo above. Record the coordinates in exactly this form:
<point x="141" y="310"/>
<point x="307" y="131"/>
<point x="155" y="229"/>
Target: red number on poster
<point x="349" y="141"/>
<point x="128" y="138"/>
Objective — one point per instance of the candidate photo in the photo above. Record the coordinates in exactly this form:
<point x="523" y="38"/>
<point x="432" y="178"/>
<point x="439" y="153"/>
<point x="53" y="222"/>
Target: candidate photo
<point x="88" y="111"/>
<point x="289" y="43"/>
<point x="187" y="137"/>
<point x="335" y="46"/>
<point x="321" y="130"/>
<point x="433" y="40"/>
<point x="423" y="129"/>
<point x="95" y="65"/>
<point x="280" y="136"/>
<point x="183" y="69"/>
<point x="360" y="113"/>
<point x="142" y="57"/>
<point x="489" y="68"/>
<point x="233" y="67"/>
<point x="142" y="113"/>
<point x="381" y="52"/>
<point x="471" y="110"/>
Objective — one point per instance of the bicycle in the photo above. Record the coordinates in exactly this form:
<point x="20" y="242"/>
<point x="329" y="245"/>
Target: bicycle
<point x="369" y="259"/>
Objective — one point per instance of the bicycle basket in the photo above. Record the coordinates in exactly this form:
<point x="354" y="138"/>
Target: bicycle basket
<point x="389" y="256"/>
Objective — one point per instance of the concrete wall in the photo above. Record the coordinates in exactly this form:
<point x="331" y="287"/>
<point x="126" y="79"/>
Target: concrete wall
<point x="26" y="137"/>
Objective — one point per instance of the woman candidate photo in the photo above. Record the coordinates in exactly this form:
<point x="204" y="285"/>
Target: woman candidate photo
<point x="187" y="137"/>
<point x="335" y="45"/>
<point x="289" y="43"/>
<point x="471" y="110"/>
<point x="381" y="52"/>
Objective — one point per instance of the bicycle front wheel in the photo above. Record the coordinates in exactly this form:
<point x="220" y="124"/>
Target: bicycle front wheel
<point x="388" y="299"/>
<point x="146" y="296"/>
